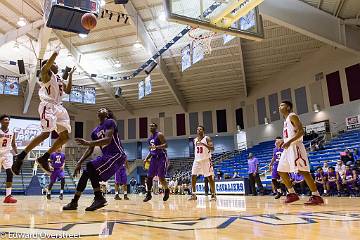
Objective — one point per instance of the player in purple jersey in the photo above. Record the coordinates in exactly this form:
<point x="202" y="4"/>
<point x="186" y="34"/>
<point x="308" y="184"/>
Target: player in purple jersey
<point x="58" y="164"/>
<point x="105" y="136"/>
<point x="121" y="180"/>
<point x="349" y="180"/>
<point x="158" y="161"/>
<point x="275" y="177"/>
<point x="333" y="181"/>
<point x="320" y="180"/>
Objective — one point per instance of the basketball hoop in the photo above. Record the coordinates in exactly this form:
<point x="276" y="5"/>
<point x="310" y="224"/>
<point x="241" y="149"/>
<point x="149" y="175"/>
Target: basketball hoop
<point x="202" y="37"/>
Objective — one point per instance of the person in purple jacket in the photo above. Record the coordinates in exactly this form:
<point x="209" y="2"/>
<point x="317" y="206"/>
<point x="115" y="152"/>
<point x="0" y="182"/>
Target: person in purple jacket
<point x="105" y="136"/>
<point x="58" y="164"/>
<point x="275" y="177"/>
<point x="121" y="180"/>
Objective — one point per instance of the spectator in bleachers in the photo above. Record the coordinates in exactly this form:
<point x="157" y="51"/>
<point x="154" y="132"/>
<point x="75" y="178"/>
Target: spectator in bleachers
<point x="356" y="154"/>
<point x="325" y="167"/>
<point x="254" y="177"/>
<point x="132" y="185"/>
<point x="298" y="182"/>
<point x="236" y="175"/>
<point x="349" y="180"/>
<point x="347" y="157"/>
<point x="340" y="168"/>
<point x="219" y="174"/>
<point x="320" y="180"/>
<point x="333" y="182"/>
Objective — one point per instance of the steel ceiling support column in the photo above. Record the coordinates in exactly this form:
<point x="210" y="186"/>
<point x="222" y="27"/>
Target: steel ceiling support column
<point x="312" y="22"/>
<point x="150" y="46"/>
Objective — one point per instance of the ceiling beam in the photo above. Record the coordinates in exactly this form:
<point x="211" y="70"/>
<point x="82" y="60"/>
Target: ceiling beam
<point x="40" y="49"/>
<point x="317" y="23"/>
<point x="103" y="83"/>
<point x="150" y="46"/>
<point x="243" y="77"/>
<point x="16" y="33"/>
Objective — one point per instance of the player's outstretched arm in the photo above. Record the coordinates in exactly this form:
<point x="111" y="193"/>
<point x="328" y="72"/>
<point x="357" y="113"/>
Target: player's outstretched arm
<point x="46" y="68"/>
<point x="68" y="86"/>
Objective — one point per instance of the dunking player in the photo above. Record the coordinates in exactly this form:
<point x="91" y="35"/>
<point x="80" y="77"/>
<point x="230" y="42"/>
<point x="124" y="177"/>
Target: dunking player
<point x="121" y="180"/>
<point x="105" y="136"/>
<point x="58" y="164"/>
<point x="294" y="158"/>
<point x="7" y="143"/>
<point x="52" y="114"/>
<point x="158" y="162"/>
<point x="202" y="163"/>
<point x="275" y="177"/>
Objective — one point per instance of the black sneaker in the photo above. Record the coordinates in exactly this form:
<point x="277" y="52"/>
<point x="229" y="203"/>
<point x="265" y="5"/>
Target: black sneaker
<point x="44" y="164"/>
<point x="148" y="197"/>
<point x="17" y="164"/>
<point x="166" y="195"/>
<point x="126" y="197"/>
<point x="71" y="205"/>
<point x="61" y="196"/>
<point x="213" y="197"/>
<point x="117" y="197"/>
<point x="96" y="204"/>
<point x="48" y="196"/>
<point x="278" y="195"/>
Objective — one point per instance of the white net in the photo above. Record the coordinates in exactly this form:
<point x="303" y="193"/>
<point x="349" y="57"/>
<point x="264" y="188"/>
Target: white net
<point x="202" y="38"/>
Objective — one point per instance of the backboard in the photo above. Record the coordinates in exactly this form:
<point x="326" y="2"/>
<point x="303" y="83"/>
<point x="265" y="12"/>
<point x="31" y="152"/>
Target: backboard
<point x="226" y="16"/>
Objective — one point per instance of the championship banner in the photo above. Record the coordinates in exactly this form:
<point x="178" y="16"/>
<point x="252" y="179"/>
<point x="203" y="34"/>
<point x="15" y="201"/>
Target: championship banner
<point x="316" y="127"/>
<point x="225" y="187"/>
<point x="352" y="122"/>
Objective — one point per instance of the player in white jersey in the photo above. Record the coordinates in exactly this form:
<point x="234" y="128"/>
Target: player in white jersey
<point x="53" y="115"/>
<point x="294" y="157"/>
<point x="203" y="146"/>
<point x="7" y="143"/>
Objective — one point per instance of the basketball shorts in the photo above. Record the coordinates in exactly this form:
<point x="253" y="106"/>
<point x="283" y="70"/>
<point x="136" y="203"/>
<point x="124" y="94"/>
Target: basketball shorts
<point x="158" y="166"/>
<point x="120" y="176"/>
<point x="57" y="174"/>
<point x="54" y="117"/>
<point x="294" y="159"/>
<point x="202" y="167"/>
<point x="6" y="160"/>
<point x="107" y="165"/>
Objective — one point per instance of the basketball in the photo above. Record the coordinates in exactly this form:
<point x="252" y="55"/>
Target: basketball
<point x="88" y="21"/>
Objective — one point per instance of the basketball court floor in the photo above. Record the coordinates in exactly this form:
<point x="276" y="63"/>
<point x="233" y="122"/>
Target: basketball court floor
<point x="229" y="216"/>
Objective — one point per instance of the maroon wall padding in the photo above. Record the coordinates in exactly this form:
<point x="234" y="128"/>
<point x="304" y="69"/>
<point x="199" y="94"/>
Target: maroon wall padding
<point x="180" y="124"/>
<point x="353" y="81"/>
<point x="143" y="127"/>
<point x="334" y="88"/>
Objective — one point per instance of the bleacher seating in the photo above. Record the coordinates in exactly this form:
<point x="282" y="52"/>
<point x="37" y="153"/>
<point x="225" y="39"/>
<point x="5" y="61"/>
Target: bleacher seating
<point x="22" y="181"/>
<point x="263" y="152"/>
